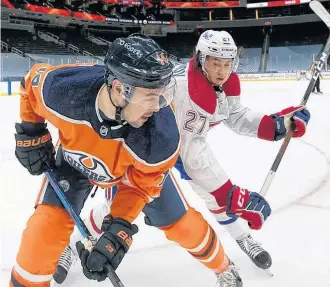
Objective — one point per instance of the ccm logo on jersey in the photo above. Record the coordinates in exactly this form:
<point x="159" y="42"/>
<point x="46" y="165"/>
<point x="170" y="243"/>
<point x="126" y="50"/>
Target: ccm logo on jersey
<point x="90" y="166"/>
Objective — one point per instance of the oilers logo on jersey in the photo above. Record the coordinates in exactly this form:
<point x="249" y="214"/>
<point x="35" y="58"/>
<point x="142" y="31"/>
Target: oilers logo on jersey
<point x="92" y="167"/>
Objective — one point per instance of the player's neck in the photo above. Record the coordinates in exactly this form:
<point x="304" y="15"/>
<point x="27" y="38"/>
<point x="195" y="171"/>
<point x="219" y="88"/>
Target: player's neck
<point x="105" y="104"/>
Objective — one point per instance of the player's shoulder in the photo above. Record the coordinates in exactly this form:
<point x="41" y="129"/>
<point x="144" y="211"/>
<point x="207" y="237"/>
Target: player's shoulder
<point x="157" y="141"/>
<point x="232" y="87"/>
<point x="35" y="74"/>
<point x="58" y="76"/>
<point x="179" y="70"/>
<point x="67" y="88"/>
<point x="200" y="91"/>
<point x="40" y="68"/>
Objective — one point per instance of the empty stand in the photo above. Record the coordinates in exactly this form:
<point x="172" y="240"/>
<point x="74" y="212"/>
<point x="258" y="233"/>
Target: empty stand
<point x="75" y="37"/>
<point x="29" y="43"/>
<point x="292" y="58"/>
<point x="13" y="65"/>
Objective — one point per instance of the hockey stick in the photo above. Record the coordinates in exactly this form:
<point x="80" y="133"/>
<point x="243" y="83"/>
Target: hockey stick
<point x="323" y="14"/>
<point x="89" y="240"/>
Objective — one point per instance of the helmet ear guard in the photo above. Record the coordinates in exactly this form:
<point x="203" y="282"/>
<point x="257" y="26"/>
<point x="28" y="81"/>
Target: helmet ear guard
<point x="109" y="78"/>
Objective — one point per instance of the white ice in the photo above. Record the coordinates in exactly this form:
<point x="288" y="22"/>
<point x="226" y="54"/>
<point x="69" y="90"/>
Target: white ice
<point x="297" y="234"/>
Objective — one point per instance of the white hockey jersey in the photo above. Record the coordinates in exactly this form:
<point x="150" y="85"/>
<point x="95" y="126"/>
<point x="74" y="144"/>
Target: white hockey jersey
<point x="199" y="107"/>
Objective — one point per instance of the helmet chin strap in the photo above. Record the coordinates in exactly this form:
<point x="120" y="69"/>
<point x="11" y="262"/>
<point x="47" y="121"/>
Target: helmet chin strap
<point x="206" y="74"/>
<point x="119" y="110"/>
<point x="202" y="60"/>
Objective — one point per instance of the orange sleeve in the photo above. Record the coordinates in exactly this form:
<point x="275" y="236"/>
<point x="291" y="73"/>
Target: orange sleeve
<point x="139" y="188"/>
<point x="30" y="93"/>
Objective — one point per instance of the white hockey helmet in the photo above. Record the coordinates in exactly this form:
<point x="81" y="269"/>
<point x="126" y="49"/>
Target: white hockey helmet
<point x="218" y="44"/>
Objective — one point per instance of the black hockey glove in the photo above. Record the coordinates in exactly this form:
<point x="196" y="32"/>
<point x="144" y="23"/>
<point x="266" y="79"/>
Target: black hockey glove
<point x="34" y="147"/>
<point x="109" y="249"/>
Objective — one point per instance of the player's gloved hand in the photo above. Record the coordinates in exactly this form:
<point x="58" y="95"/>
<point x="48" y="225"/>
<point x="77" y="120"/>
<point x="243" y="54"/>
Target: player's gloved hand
<point x="292" y="118"/>
<point x="34" y="147"/>
<point x="249" y="206"/>
<point x="109" y="249"/>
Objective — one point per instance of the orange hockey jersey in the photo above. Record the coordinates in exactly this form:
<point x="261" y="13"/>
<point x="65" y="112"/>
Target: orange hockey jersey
<point x="138" y="163"/>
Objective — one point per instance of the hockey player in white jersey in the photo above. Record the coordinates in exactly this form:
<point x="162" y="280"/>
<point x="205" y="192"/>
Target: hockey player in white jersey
<point x="208" y="94"/>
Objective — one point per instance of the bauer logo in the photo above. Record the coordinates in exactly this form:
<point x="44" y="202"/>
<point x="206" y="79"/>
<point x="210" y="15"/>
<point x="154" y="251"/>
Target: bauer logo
<point x="90" y="166"/>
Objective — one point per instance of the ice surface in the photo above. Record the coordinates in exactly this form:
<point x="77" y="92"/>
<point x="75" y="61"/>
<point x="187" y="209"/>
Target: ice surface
<point x="297" y="234"/>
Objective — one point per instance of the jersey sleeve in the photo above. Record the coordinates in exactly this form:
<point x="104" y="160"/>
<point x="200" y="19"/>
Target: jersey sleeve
<point x="30" y="91"/>
<point x="139" y="187"/>
<point x="242" y="120"/>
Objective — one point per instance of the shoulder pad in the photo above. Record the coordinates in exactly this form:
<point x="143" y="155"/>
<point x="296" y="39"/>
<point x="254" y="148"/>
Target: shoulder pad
<point x="66" y="90"/>
<point x="232" y="87"/>
<point x="179" y="70"/>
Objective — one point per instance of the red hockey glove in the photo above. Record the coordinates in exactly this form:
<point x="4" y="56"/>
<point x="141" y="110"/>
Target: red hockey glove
<point x="292" y="118"/>
<point x="249" y="206"/>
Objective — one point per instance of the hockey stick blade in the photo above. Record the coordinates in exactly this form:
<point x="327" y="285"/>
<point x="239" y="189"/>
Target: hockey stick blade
<point x="111" y="274"/>
<point x="318" y="8"/>
<point x="320" y="11"/>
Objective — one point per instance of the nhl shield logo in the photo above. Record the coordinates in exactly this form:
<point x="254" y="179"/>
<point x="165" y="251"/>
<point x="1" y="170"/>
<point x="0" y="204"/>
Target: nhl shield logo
<point x="64" y="184"/>
<point x="104" y="131"/>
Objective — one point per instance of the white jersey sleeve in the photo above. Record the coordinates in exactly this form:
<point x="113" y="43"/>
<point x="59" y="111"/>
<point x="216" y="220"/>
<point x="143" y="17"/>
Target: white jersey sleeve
<point x="241" y="119"/>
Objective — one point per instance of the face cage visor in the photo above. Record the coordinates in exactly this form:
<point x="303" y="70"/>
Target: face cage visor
<point x="156" y="98"/>
<point x="203" y="58"/>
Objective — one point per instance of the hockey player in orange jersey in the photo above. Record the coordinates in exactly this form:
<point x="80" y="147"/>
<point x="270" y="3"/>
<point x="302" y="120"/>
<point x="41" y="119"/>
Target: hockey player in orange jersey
<point x="115" y="127"/>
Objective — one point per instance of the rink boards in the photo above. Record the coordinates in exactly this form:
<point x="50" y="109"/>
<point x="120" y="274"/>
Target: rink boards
<point x="11" y="88"/>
